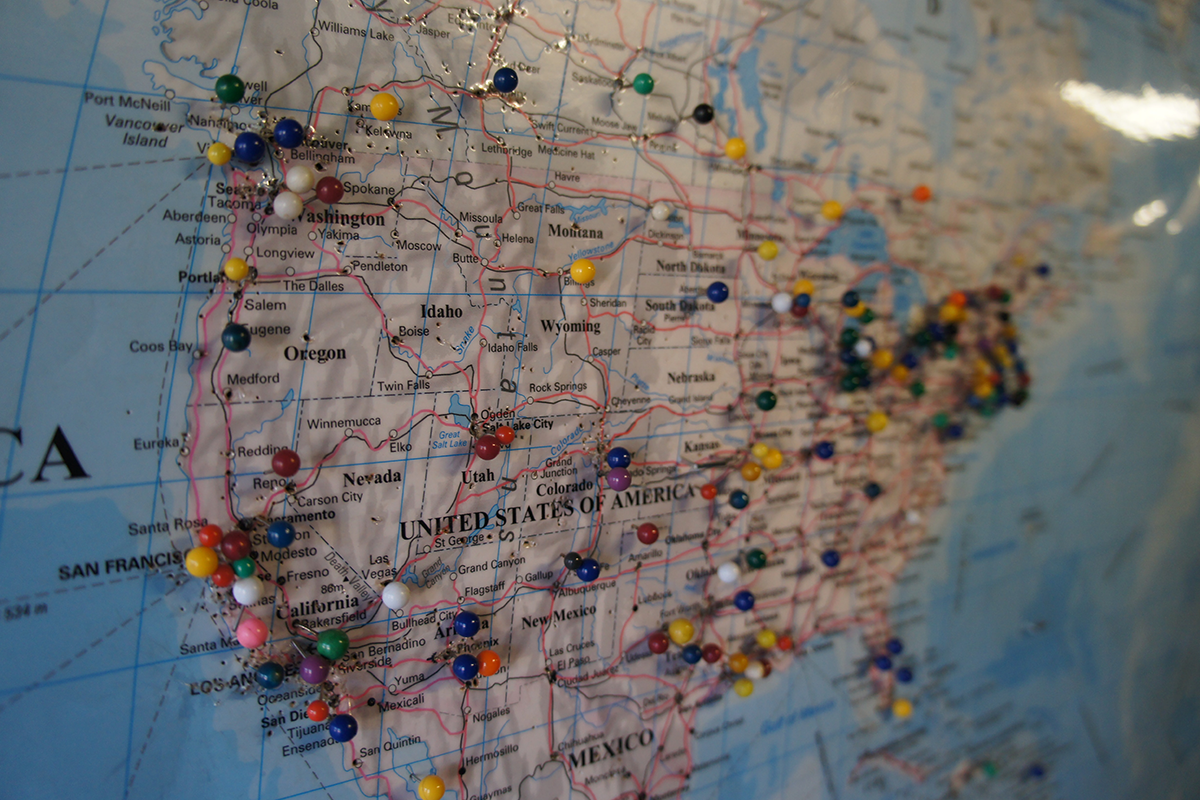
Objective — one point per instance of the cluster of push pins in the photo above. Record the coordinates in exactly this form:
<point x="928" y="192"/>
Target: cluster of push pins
<point x="238" y="572"/>
<point x="974" y="322"/>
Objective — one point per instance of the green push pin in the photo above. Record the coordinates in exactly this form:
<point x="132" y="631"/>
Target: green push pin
<point x="951" y="352"/>
<point x="230" y="88"/>
<point x="849" y="337"/>
<point x="756" y="559"/>
<point x="866" y="316"/>
<point x="989" y="769"/>
<point x="941" y="420"/>
<point x="243" y="567"/>
<point x="849" y="382"/>
<point x="333" y="643"/>
<point x="917" y="389"/>
<point x="643" y="83"/>
<point x="766" y="400"/>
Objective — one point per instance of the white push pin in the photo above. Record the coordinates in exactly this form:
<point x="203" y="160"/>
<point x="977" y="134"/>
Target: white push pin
<point x="781" y="302"/>
<point x="863" y="348"/>
<point x="912" y="516"/>
<point x="729" y="572"/>
<point x="395" y="595"/>
<point x="300" y="179"/>
<point x="247" y="591"/>
<point x="755" y="671"/>
<point x="288" y="205"/>
<point x="661" y="211"/>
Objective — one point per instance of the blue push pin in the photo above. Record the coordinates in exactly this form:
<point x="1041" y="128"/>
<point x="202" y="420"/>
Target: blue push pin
<point x="289" y="133"/>
<point x="824" y="450"/>
<point x="803" y="300"/>
<point x="718" y="292"/>
<point x="342" y="728"/>
<point x="692" y="654"/>
<point x="1043" y="269"/>
<point x="619" y="458"/>
<point x="883" y="663"/>
<point x="589" y="570"/>
<point x="895" y="646"/>
<point x="955" y="431"/>
<point x="235" y="337"/>
<point x="466" y="667"/>
<point x="505" y="80"/>
<point x="910" y="360"/>
<point x="1036" y="771"/>
<point x="850" y="299"/>
<point x="904" y="675"/>
<point x="739" y="499"/>
<point x="743" y="600"/>
<point x="466" y="623"/>
<point x="281" y="533"/>
<point x="831" y="558"/>
<point x="249" y="147"/>
<point x="270" y="675"/>
<point x="872" y="490"/>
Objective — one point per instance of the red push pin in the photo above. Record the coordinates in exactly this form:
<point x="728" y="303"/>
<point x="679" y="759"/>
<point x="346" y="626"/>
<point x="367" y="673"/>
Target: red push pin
<point x="505" y="434"/>
<point x="487" y="447"/>
<point x="285" y="463"/>
<point x="210" y="535"/>
<point x="658" y="642"/>
<point x="922" y="194"/>
<point x="235" y="545"/>
<point x="647" y="533"/>
<point x="223" y="577"/>
<point x="708" y="491"/>
<point x="711" y="653"/>
<point x="318" y="711"/>
<point x="330" y="190"/>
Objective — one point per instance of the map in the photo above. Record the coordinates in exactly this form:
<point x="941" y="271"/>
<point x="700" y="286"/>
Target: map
<point x="592" y="399"/>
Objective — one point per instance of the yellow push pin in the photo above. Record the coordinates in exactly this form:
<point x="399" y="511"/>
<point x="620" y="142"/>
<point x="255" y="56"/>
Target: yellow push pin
<point x="804" y="286"/>
<point x="744" y="687"/>
<point x="735" y="148"/>
<point x="900" y="373"/>
<point x="773" y="459"/>
<point x="583" y="271"/>
<point x="882" y="358"/>
<point x="832" y="210"/>
<point x="766" y="639"/>
<point x="219" y="153"/>
<point x="876" y="421"/>
<point x="738" y="663"/>
<point x="856" y="310"/>
<point x="431" y="787"/>
<point x="760" y="450"/>
<point x="201" y="561"/>
<point x="751" y="471"/>
<point x="902" y="708"/>
<point x="384" y="107"/>
<point x="768" y="250"/>
<point x="681" y="631"/>
<point x="236" y="269"/>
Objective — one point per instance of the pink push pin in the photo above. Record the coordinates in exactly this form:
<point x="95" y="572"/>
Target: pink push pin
<point x="252" y="632"/>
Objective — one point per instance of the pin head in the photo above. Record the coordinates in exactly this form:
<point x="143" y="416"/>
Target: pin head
<point x="223" y="576"/>
<point x="619" y="479"/>
<point x="317" y="711"/>
<point x="505" y="80"/>
<point x="711" y="653"/>
<point x="717" y="292"/>
<point x="832" y="210"/>
<point x="735" y="148"/>
<point x="766" y="400"/>
<point x="230" y="88"/>
<point x="647" y="533"/>
<point x="249" y="147"/>
<point x="781" y="302"/>
<point x="658" y="642"/>
<point x="902" y="708"/>
<point x="505" y="434"/>
<point x="872" y="490"/>
<point x="618" y="457"/>
<point x="235" y="337"/>
<point x="589" y="570"/>
<point x="904" y="675"/>
<point x="766" y="638"/>
<point x="756" y="559"/>
<point x="751" y="471"/>
<point x="831" y="558"/>
<point x="431" y="787"/>
<point x="708" y="491"/>
<point x="269" y="675"/>
<point x="287" y="205"/>
<point x="729" y="572"/>
<point x="660" y="211"/>
<point x="247" y="591"/>
<point x="738" y="663"/>
<point x="289" y="133"/>
<point x="487" y="447"/>
<point x="236" y="269"/>
<point x="692" y="654"/>
<point x="219" y="154"/>
<point x="281" y="533"/>
<point x="643" y="83"/>
<point x="572" y="561"/>
<point x="489" y="663"/>
<point x="252" y="632"/>
<point x="739" y="499"/>
<point x="395" y="595"/>
<point x="285" y="463"/>
<point x="883" y="663"/>
<point x="333" y="643"/>
<point x="703" y="113"/>
<point x="243" y="567"/>
<point x="895" y="646"/>
<point x="201" y="561"/>
<point x="466" y="667"/>
<point x="824" y="450"/>
<point x="744" y="600"/>
<point x="314" y="670"/>
<point x="300" y="179"/>
<point x="343" y="728"/>
<point x="384" y="107"/>
<point x="768" y="250"/>
<point x="922" y="194"/>
<point x="743" y="687"/>
<point x="466" y="623"/>
<point x="330" y="190"/>
<point x="235" y="545"/>
<point x="583" y="271"/>
<point x="681" y="631"/>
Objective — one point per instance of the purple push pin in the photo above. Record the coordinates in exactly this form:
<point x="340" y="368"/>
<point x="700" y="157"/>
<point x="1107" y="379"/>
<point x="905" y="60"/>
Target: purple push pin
<point x="619" y="479"/>
<point x="314" y="669"/>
